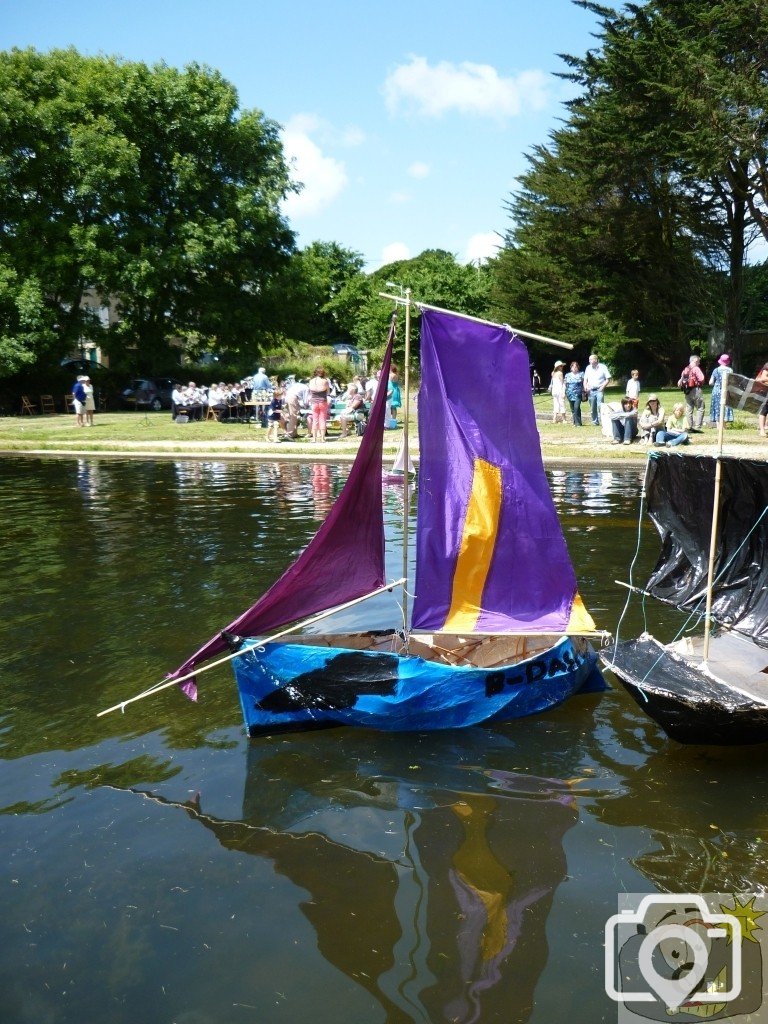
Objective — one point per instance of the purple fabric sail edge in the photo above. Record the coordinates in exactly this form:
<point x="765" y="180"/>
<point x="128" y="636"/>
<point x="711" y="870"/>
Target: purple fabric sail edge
<point x="348" y="549"/>
<point x="475" y="403"/>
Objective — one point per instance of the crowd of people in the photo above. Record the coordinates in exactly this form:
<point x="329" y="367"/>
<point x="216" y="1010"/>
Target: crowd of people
<point x="652" y="425"/>
<point x="284" y="406"/>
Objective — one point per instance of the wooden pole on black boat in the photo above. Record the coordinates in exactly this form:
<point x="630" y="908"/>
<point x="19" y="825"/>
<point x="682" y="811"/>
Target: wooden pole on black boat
<point x="713" y="538"/>
<point x="406" y="447"/>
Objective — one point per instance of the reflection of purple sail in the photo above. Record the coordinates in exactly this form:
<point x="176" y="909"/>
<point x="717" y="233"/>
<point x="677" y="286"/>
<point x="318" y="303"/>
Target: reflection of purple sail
<point x="432" y="901"/>
<point x="491" y="555"/>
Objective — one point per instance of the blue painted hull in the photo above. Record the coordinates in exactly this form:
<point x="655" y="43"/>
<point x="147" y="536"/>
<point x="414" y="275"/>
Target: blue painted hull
<point x="285" y="686"/>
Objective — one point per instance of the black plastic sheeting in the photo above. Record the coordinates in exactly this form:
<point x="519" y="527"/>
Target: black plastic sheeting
<point x="680" y="492"/>
<point x="689" y="705"/>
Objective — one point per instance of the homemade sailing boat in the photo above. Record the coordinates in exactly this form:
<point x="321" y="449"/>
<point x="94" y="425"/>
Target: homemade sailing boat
<point x="498" y="629"/>
<point x="712" y="514"/>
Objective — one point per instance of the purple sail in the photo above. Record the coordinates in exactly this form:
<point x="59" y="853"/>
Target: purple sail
<point x="343" y="561"/>
<point x="490" y="553"/>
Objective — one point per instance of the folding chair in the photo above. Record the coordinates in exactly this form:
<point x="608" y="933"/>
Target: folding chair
<point x="69" y="402"/>
<point x="211" y="414"/>
<point x="27" y="406"/>
<point x="47" y="405"/>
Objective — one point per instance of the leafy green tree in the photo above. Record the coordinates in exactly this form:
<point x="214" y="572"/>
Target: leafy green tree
<point x="691" y="83"/>
<point x="148" y="184"/>
<point x="434" y="277"/>
<point x="307" y="288"/>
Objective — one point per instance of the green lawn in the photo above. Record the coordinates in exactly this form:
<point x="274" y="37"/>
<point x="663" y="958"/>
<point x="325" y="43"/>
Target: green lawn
<point x="136" y="432"/>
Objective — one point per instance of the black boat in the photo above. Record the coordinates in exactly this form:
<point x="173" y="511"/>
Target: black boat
<point x="712" y="515"/>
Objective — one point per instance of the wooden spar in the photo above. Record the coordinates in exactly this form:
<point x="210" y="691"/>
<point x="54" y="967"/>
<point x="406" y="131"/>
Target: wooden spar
<point x="406" y="424"/>
<point x="251" y="647"/>
<point x="715" y="513"/>
<point x="478" y="320"/>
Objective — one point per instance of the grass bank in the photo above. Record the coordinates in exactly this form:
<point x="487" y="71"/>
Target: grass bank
<point x="137" y="434"/>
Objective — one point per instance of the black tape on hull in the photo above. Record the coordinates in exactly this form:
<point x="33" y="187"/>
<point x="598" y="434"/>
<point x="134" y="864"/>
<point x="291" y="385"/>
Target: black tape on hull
<point x="688" y="705"/>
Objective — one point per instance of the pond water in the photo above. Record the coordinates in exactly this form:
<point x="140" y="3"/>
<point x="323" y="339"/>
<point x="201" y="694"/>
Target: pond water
<point x="157" y="866"/>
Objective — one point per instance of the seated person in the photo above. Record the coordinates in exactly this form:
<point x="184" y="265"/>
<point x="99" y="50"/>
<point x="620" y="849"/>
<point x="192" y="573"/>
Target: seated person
<point x="353" y="406"/>
<point x="216" y="398"/>
<point x="673" y="433"/>
<point x="624" y="423"/>
<point x="651" y="418"/>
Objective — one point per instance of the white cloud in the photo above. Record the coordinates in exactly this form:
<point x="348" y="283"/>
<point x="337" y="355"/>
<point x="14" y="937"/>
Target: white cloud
<point x="482" y="246"/>
<point x="393" y="252"/>
<point x="467" y="88"/>
<point x="323" y="177"/>
<point x="418" y="169"/>
<point x="398" y="198"/>
<point x="352" y="136"/>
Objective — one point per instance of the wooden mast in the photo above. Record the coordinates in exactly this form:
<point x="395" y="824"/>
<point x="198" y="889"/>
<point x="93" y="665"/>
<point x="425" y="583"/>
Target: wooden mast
<point x="406" y="446"/>
<point x="713" y="538"/>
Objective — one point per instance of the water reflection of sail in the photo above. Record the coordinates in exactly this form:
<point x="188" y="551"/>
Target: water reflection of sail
<point x="433" y="899"/>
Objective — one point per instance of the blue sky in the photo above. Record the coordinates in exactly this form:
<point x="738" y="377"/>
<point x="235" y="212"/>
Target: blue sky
<point x="407" y="122"/>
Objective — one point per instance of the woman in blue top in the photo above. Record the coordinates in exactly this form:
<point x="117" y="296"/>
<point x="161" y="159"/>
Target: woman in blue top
<point x="574" y="389"/>
<point x="716" y="383"/>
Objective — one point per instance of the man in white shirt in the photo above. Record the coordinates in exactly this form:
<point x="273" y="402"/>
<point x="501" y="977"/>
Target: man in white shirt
<point x="596" y="377"/>
<point x="177" y="399"/>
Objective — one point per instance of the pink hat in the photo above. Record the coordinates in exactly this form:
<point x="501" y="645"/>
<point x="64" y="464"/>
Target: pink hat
<point x="724" y="359"/>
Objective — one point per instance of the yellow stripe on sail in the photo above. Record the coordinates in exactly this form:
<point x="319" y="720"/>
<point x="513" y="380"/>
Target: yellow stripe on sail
<point x="580" y="621"/>
<point x="478" y="540"/>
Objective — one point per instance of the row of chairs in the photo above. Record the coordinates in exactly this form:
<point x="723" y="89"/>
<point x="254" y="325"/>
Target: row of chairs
<point x="47" y="405"/>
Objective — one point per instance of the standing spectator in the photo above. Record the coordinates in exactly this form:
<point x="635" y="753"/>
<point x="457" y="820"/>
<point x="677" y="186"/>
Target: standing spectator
<point x="319" y="394"/>
<point x="691" y="381"/>
<point x="275" y="414"/>
<point x="574" y="391"/>
<point x="536" y="386"/>
<point x="716" y="379"/>
<point x="557" y="390"/>
<point x="90" y="401"/>
<point x="78" y="394"/>
<point x="370" y="387"/>
<point x="651" y="419"/>
<point x="260" y="381"/>
<point x="296" y="396"/>
<point x="624" y="423"/>
<point x="761" y="377"/>
<point x="633" y="388"/>
<point x="394" y="394"/>
<point x="596" y="377"/>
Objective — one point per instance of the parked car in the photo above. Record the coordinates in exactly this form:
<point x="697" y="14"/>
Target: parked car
<point x="80" y="366"/>
<point x="347" y="350"/>
<point x="150" y="393"/>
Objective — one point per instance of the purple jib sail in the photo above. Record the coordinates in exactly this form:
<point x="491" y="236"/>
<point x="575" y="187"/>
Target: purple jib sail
<point x="490" y="554"/>
<point x="343" y="561"/>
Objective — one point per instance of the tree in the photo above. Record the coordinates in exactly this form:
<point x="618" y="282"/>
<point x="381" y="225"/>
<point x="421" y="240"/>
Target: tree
<point x="148" y="184"/>
<point x="644" y="202"/>
<point x="691" y="80"/>
<point x="308" y="286"/>
<point x="434" y="277"/>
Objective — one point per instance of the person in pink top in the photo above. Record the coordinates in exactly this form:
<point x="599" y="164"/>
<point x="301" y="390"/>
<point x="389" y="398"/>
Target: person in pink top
<point x="691" y="382"/>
